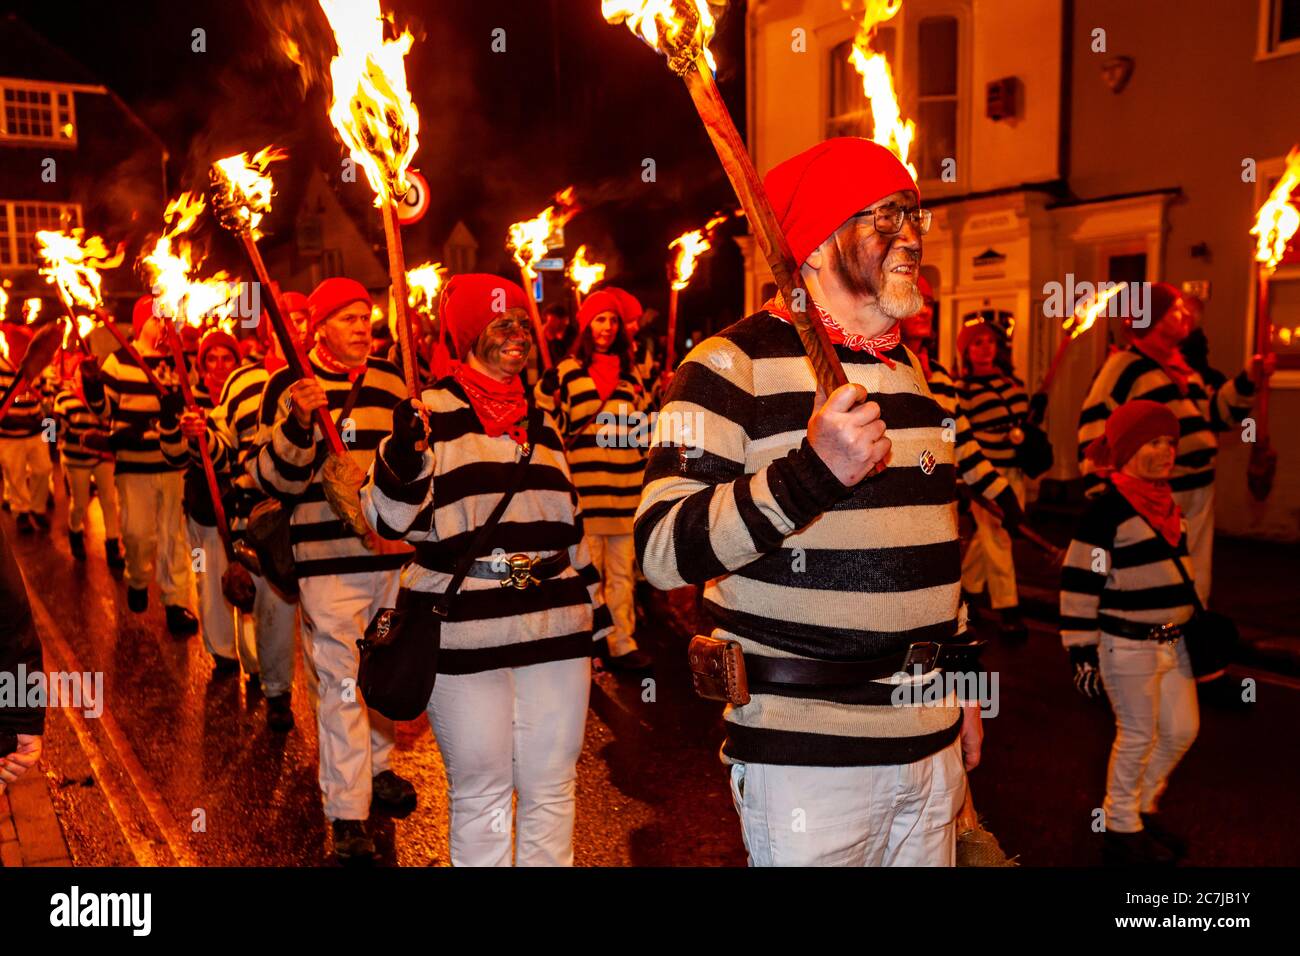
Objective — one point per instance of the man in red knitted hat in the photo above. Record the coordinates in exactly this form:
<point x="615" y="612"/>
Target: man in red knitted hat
<point x="831" y="574"/>
<point x="1152" y="367"/>
<point x="343" y="580"/>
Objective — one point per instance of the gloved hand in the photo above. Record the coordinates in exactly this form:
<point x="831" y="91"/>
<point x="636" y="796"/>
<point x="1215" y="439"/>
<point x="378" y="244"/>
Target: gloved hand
<point x="1012" y="515"/>
<point x="92" y="380"/>
<point x="170" y="407"/>
<point x="404" y="451"/>
<point x="1037" y="408"/>
<point x="1087" y="670"/>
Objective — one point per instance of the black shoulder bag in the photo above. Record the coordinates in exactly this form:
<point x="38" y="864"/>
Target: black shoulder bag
<point x="1211" y="638"/>
<point x="399" y="653"/>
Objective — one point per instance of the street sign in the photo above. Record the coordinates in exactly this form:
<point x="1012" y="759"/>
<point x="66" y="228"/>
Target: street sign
<point x="537" y="288"/>
<point x="553" y="264"/>
<point x="412" y="207"/>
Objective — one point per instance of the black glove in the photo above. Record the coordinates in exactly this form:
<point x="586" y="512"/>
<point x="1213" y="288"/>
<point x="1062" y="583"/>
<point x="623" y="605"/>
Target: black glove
<point x="400" y="453"/>
<point x="92" y="381"/>
<point x="1037" y="408"/>
<point x="1087" y="670"/>
<point x="170" y="407"/>
<point x="1012" y="516"/>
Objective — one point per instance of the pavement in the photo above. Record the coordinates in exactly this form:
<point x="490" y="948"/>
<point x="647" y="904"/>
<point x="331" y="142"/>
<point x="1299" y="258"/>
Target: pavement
<point x="179" y="769"/>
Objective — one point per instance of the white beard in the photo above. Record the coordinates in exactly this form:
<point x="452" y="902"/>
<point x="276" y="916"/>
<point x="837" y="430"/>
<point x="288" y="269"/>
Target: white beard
<point x="900" y="298"/>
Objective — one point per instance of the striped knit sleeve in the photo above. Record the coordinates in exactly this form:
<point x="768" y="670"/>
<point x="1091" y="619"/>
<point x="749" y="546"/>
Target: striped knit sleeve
<point x="1110" y="389"/>
<point x="1231" y="402"/>
<point x="1084" y="574"/>
<point x="175" y="446"/>
<point x="701" y="515"/>
<point x="285" y="461"/>
<point x="602" y="622"/>
<point x="549" y="396"/>
<point x="976" y="471"/>
<point x="393" y="504"/>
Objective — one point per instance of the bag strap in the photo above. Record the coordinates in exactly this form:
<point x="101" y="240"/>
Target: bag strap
<point x="1178" y="563"/>
<point x="442" y="603"/>
<point x="354" y="393"/>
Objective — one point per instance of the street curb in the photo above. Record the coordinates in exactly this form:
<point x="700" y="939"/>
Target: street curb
<point x="30" y="834"/>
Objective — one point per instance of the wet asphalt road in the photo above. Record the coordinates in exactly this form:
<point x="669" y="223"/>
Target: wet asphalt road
<point x="181" y="769"/>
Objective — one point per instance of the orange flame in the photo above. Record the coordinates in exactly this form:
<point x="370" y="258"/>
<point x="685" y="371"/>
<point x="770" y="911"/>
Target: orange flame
<point x="172" y="263"/>
<point x="72" y="263"/>
<point x="4" y="300"/>
<point x="584" y="274"/>
<point x="1278" y="218"/>
<point x="372" y="108"/>
<point x="527" y="241"/>
<point x="244" y="189"/>
<point x="1086" y="312"/>
<point x="31" y="309"/>
<point x="422" y="285"/>
<point x="681" y="29"/>
<point x="689" y="246"/>
<point x="890" y="129"/>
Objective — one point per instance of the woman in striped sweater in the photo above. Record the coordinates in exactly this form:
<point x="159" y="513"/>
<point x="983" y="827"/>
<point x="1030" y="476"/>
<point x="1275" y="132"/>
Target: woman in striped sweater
<point x="83" y="449"/>
<point x="1122" y="598"/>
<point x="24" y="451"/>
<point x="599" y="403"/>
<point x="510" y="704"/>
<point x="995" y="404"/>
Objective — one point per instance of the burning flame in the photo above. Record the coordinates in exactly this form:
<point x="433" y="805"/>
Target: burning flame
<point x="72" y="263"/>
<point x="689" y="246"/>
<point x="1086" y="312"/>
<point x="372" y="108"/>
<point x="31" y="309"/>
<point x="890" y="129"/>
<point x="681" y="29"/>
<point x="1278" y="218"/>
<point x="173" y="261"/>
<point x="422" y="285"/>
<point x="244" y="189"/>
<point x="4" y="302"/>
<point x="527" y="240"/>
<point x="584" y="274"/>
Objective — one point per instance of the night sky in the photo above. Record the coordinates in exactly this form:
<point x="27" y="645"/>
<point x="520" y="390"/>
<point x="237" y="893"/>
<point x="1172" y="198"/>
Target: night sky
<point x="572" y="100"/>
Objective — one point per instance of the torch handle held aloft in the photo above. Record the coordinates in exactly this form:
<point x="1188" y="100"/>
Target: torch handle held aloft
<point x="289" y="344"/>
<point x="670" y="343"/>
<point x="407" y="335"/>
<point x="539" y="333"/>
<point x="767" y="230"/>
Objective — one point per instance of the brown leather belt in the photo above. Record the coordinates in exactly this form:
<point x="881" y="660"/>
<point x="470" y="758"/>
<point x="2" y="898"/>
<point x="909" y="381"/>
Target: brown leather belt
<point x="928" y="655"/>
<point x="517" y="570"/>
<point x="1136" y="631"/>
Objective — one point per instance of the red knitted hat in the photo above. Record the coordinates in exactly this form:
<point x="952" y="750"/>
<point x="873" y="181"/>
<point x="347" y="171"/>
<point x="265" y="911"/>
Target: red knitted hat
<point x="290" y="302"/>
<point x="140" y="314"/>
<point x="190" y="335"/>
<point x="923" y="286"/>
<point x="968" y="333"/>
<point x="218" y="339"/>
<point x="1162" y="299"/>
<point x="608" y="300"/>
<point x="471" y="301"/>
<point x="814" y="193"/>
<point x="332" y="295"/>
<point x="1130" y="427"/>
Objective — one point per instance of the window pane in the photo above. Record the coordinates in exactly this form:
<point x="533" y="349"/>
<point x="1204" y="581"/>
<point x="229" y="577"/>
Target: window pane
<point x="1284" y="310"/>
<point x="937" y="134"/>
<point x="937" y="71"/>
<point x="846" y="85"/>
<point x="1288" y="20"/>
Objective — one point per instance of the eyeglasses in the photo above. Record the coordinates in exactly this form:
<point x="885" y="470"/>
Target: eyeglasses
<point x="888" y="218"/>
<point x="509" y="326"/>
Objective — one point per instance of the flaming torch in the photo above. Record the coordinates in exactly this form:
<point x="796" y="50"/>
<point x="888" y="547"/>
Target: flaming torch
<point x="377" y="121"/>
<point x="890" y="129"/>
<point x="1276" y="223"/>
<point x="584" y="274"/>
<point x="681" y="29"/>
<point x="424" y="283"/>
<point x="72" y="265"/>
<point x="527" y="243"/>
<point x="1081" y="320"/>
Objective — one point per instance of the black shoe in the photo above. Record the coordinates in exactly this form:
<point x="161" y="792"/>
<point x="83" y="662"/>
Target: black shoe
<point x="26" y="523"/>
<point x="631" y="662"/>
<point x="77" y="545"/>
<point x="137" y="599"/>
<point x="181" y="621"/>
<point x="1135" y="849"/>
<point x="1172" y="841"/>
<point x="1011" y="626"/>
<point x="113" y="553"/>
<point x="972" y="609"/>
<point x="254" y="684"/>
<point x="222" y="666"/>
<point x="352" y="842"/>
<point x="279" y="715"/>
<point x="392" y="793"/>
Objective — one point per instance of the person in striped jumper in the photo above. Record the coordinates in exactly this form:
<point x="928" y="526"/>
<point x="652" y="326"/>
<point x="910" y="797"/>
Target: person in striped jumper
<point x="83" y="449"/>
<point x="509" y="706"/>
<point x="825" y="569"/>
<point x="1122" y="598"/>
<point x="343" y="580"/>
<point x="149" y="488"/>
<point x="1151" y="367"/>
<point x="217" y="355"/>
<point x="600" y="403"/>
<point x="24" y="449"/>
<point x="994" y="403"/>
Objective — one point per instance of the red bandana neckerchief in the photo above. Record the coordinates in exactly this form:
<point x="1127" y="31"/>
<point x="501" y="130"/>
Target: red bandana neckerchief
<point x="1154" y="501"/>
<point x="605" y="370"/>
<point x="331" y="363"/>
<point x="1168" y="358"/>
<point x="876" y="345"/>
<point x="500" y="406"/>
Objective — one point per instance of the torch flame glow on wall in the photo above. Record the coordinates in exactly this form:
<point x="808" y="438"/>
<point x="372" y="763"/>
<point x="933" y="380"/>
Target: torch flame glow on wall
<point x="527" y="241"/>
<point x="890" y="129"/>
<point x="423" y="284"/>
<point x="245" y="187"/>
<point x="678" y="28"/>
<point x="372" y="107"/>
<point x="584" y="274"/>
<point x="1278" y="218"/>
<point x="72" y="263"/>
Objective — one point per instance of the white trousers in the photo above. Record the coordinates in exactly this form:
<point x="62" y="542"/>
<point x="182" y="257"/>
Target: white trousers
<point x="899" y="815"/>
<point x="270" y="629"/>
<point x="79" y="488"/>
<point x="1198" y="508"/>
<point x="614" y="556"/>
<point x="355" y="741"/>
<point x="1153" y="694"/>
<point x="153" y="529"/>
<point x="218" y="620"/>
<point x="515" y="730"/>
<point x="27" y="466"/>
<point x="988" y="557"/>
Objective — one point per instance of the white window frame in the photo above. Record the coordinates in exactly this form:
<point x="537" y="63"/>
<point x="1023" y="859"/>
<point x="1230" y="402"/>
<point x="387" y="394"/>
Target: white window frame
<point x="910" y="51"/>
<point x="8" y="215"/>
<point x="36" y="86"/>
<point x="1264" y="46"/>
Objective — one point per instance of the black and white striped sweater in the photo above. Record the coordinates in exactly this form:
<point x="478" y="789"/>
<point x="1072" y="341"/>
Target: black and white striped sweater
<point x="974" y="470"/>
<point x="76" y="421"/>
<point x="606" y="442"/>
<point x="289" y="464"/>
<point x="130" y="405"/>
<point x="25" y="415"/>
<point x="793" y="563"/>
<point x="461" y="481"/>
<point x="1117" y="567"/>
<point x="1203" y="411"/>
<point x="993" y="404"/>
